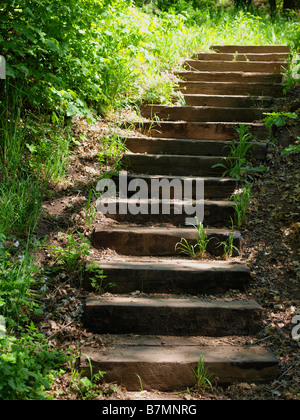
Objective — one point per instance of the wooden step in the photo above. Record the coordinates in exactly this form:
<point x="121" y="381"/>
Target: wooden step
<point x="229" y="66"/>
<point x="189" y="147"/>
<point x="172" y="164"/>
<point x="158" y="241"/>
<point x="171" y="316"/>
<point x="234" y="77"/>
<point x="230" y="101"/>
<point x="214" y="188"/>
<point x="202" y="114"/>
<point x="170" y="367"/>
<point x="216" y="213"/>
<point x="174" y="276"/>
<point x="231" y="88"/>
<point x="269" y="57"/>
<point x="224" y="131"/>
<point x="253" y="49"/>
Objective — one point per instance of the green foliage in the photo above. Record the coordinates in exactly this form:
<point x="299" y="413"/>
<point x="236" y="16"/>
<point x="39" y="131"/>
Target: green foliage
<point x="71" y="257"/>
<point x="278" y="119"/>
<point x="113" y="149"/>
<point x="237" y="164"/>
<point x="80" y="57"/>
<point x="32" y="153"/>
<point x="197" y="250"/>
<point x="18" y="279"/>
<point x="241" y="205"/>
<point x="292" y="148"/>
<point x="97" y="278"/>
<point x="202" y="376"/>
<point x="86" y="388"/>
<point x="28" y="366"/>
<point x="186" y="248"/>
<point x="228" y="246"/>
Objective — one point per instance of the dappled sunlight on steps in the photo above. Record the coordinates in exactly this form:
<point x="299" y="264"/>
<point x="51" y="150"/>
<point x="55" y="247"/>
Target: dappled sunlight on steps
<point x="168" y="296"/>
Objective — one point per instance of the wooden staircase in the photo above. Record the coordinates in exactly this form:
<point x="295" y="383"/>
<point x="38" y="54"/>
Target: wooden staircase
<point x="161" y="317"/>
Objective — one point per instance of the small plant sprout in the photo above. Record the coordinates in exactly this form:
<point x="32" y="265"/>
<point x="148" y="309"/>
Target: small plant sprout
<point x="201" y="243"/>
<point x="185" y="248"/>
<point x="202" y="377"/>
<point x="87" y="388"/>
<point x="241" y="205"/>
<point x="228" y="246"/>
<point x="97" y="278"/>
<point x="202" y="240"/>
<point x="141" y="383"/>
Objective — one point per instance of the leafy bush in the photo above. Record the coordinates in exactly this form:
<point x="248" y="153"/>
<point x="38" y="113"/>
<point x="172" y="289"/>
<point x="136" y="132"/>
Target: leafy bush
<point x="75" y="55"/>
<point x="27" y="366"/>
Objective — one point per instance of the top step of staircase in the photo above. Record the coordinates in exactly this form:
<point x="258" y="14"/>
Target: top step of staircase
<point x="252" y="57"/>
<point x="251" y="49"/>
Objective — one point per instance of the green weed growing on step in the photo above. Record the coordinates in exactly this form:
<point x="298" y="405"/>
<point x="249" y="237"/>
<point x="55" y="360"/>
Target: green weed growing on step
<point x="229" y="249"/>
<point x="237" y="164"/>
<point x="184" y="247"/>
<point x="202" y="376"/>
<point x="140" y="382"/>
<point x="97" y="277"/>
<point x="197" y="250"/>
<point x="202" y="240"/>
<point x="241" y="205"/>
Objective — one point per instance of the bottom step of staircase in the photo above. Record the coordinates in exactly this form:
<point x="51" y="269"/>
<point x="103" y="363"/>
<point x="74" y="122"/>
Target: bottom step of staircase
<point x="170" y="367"/>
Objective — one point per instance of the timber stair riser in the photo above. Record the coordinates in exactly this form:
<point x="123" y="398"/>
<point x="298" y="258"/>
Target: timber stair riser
<point x="280" y="57"/>
<point x="222" y="131"/>
<point x="175" y="277"/>
<point x="158" y="241"/>
<point x="153" y="211"/>
<point x="231" y="88"/>
<point x="231" y="66"/>
<point x="176" y="317"/>
<point x="173" y="164"/>
<point x="252" y="49"/>
<point x="214" y="188"/>
<point x="204" y="114"/>
<point x="232" y="77"/>
<point x="187" y="147"/>
<point x="227" y="101"/>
